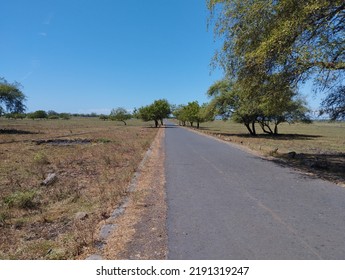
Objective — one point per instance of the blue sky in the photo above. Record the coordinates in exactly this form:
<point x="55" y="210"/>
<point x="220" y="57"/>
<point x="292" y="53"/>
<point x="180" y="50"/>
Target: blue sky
<point x="91" y="56"/>
<point x="84" y="56"/>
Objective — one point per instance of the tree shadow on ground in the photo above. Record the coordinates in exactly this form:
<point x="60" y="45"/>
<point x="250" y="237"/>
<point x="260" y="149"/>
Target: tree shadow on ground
<point x="263" y="136"/>
<point x="161" y="126"/>
<point x="15" y="131"/>
<point x="329" y="167"/>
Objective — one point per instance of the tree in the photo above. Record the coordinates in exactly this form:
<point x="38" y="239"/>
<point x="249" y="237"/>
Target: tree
<point x="120" y="114"/>
<point x="247" y="106"/>
<point x="11" y="97"/>
<point x="292" y="39"/>
<point x="157" y="111"/>
<point x="229" y="102"/>
<point x="193" y="113"/>
<point x="334" y="104"/>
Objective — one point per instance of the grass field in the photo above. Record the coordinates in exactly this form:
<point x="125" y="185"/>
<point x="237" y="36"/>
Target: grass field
<point x="93" y="161"/>
<point x="319" y="147"/>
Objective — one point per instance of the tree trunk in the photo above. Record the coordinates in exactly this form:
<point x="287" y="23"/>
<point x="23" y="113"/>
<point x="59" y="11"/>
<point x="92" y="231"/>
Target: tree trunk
<point x="263" y="125"/>
<point x="253" y="129"/>
<point x="162" y="122"/>
<point x="249" y="129"/>
<point x="275" y="129"/>
<point x="191" y="123"/>
<point x="124" y="122"/>
<point x="156" y="123"/>
<point x="198" y="125"/>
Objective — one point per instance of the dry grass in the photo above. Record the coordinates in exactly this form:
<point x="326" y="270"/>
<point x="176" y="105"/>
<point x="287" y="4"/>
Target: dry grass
<point x="319" y="147"/>
<point x="39" y="222"/>
<point x="141" y="231"/>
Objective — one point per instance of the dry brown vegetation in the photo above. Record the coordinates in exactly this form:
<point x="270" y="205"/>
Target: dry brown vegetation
<point x="317" y="148"/>
<point x="94" y="162"/>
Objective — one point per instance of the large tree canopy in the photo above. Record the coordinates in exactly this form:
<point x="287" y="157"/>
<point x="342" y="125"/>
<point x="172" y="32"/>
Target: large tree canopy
<point x="292" y="37"/>
<point x="11" y="97"/>
<point x="156" y="112"/>
<point x="271" y="46"/>
<point x="232" y="101"/>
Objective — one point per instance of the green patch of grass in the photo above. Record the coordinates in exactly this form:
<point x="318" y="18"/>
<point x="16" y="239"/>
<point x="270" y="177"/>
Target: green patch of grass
<point x="103" y="140"/>
<point x="22" y="200"/>
<point x="41" y="159"/>
<point x="4" y="216"/>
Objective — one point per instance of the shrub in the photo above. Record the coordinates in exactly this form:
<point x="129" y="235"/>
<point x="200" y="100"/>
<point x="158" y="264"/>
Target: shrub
<point x="65" y="116"/>
<point x="23" y="200"/>
<point x="41" y="159"/>
<point x="40" y="114"/>
<point x="103" y="117"/>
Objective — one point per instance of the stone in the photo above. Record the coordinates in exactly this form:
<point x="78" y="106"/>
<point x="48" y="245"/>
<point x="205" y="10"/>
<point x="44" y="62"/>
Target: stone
<point x="106" y="230"/>
<point x="80" y="216"/>
<point x="94" y="257"/>
<point x="50" y="180"/>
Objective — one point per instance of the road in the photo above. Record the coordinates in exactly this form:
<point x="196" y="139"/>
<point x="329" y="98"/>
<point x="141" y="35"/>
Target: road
<point x="224" y="203"/>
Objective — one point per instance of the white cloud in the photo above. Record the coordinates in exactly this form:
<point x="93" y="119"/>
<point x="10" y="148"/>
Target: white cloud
<point x="27" y="75"/>
<point x="48" y="19"/>
<point x="43" y="34"/>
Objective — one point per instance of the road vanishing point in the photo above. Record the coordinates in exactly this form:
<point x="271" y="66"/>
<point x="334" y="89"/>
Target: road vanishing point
<point x="225" y="203"/>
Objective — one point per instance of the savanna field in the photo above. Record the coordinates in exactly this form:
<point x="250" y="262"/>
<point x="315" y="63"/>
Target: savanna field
<point x="92" y="162"/>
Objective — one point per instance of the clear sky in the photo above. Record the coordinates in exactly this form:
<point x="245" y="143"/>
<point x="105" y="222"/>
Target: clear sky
<point x="83" y="56"/>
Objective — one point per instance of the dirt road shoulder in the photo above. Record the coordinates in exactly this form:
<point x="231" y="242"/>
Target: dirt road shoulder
<point x="141" y="231"/>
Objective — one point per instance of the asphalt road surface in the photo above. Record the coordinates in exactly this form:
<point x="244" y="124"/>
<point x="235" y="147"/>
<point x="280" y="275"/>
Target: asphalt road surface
<point x="224" y="203"/>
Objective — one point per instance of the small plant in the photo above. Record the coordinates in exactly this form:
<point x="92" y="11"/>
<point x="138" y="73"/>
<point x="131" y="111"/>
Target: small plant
<point x="103" y="140"/>
<point x="273" y="152"/>
<point x="107" y="160"/>
<point x="41" y="159"/>
<point x="23" y="200"/>
<point x="4" y="216"/>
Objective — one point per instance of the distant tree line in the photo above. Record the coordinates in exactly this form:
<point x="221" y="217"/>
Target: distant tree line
<point x="39" y="114"/>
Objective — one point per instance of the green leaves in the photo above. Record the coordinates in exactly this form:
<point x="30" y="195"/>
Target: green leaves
<point x="269" y="48"/>
<point x="120" y="114"/>
<point x="11" y="97"/>
<point x="157" y="111"/>
<point x="194" y="113"/>
<point x="297" y="38"/>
